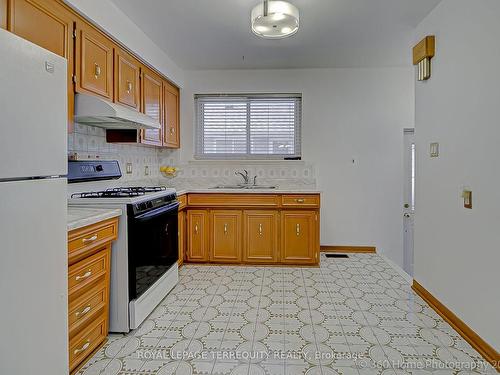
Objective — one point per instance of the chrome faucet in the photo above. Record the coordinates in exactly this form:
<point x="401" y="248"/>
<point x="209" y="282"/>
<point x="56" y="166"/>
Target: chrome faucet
<point x="244" y="175"/>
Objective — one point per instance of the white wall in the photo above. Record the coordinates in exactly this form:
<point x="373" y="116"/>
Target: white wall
<point x="105" y="14"/>
<point x="457" y="250"/>
<point x="347" y="113"/>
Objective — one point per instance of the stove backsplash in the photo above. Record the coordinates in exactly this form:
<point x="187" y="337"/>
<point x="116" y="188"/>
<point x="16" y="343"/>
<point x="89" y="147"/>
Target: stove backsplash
<point x="89" y="142"/>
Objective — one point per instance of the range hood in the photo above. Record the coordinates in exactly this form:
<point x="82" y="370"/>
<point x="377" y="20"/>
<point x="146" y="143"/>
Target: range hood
<point x="95" y="111"/>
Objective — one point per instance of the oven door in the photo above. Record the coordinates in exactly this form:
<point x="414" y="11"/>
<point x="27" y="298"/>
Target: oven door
<point x="152" y="247"/>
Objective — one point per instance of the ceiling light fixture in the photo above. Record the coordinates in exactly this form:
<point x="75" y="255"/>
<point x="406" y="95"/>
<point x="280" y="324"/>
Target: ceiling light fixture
<point x="275" y="19"/>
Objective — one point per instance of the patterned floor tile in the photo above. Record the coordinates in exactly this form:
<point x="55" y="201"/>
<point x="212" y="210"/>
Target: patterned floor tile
<point x="353" y="316"/>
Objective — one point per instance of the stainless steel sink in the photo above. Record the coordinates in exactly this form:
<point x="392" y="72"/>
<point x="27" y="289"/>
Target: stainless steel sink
<point x="240" y="187"/>
<point x="229" y="187"/>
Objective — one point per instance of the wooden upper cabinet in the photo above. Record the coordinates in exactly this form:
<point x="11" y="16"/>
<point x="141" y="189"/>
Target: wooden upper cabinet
<point x="261" y="241"/>
<point x="299" y="237"/>
<point x="94" y="62"/>
<point x="225" y="238"/>
<point x="171" y="137"/>
<point x="197" y="239"/>
<point x="127" y="80"/>
<point x="47" y="24"/>
<point x="152" y="105"/>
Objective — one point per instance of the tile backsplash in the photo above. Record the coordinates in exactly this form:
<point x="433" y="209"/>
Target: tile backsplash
<point x="89" y="142"/>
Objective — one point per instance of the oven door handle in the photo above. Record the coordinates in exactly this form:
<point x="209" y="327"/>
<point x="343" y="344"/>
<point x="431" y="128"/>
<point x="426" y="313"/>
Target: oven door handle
<point x="157" y="212"/>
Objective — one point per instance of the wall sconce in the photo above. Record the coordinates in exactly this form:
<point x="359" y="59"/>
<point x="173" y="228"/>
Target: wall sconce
<point x="422" y="54"/>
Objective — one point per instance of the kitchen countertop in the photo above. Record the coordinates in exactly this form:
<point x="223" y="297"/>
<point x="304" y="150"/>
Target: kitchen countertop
<point x="278" y="190"/>
<point x="82" y="217"/>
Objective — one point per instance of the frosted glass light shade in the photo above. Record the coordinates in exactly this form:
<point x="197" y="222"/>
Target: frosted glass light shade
<point x="281" y="21"/>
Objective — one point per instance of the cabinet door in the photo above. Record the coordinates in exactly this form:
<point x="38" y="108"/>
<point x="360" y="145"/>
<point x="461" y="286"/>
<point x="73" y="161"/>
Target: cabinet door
<point x="152" y="105"/>
<point x="94" y="62"/>
<point x="182" y="236"/>
<point x="225" y="239"/>
<point x="49" y="25"/>
<point x="261" y="236"/>
<point x="299" y="239"/>
<point x="197" y="223"/>
<point x="171" y="137"/>
<point x="127" y="72"/>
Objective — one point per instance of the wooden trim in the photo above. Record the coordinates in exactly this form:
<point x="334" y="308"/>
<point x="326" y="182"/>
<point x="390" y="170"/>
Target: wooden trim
<point x="4" y="11"/>
<point x="348" y="249"/>
<point x="487" y="351"/>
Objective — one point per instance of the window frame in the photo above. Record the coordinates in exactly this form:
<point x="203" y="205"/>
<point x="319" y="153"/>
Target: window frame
<point x="199" y="99"/>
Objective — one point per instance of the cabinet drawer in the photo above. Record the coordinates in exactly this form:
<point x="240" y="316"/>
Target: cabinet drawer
<point x="300" y="200"/>
<point x="83" y="309"/>
<point x="85" y="342"/>
<point x="82" y="241"/>
<point x="183" y="201"/>
<point x="233" y="200"/>
<point x="82" y="275"/>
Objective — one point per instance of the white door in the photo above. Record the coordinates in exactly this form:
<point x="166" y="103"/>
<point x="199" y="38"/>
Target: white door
<point x="409" y="199"/>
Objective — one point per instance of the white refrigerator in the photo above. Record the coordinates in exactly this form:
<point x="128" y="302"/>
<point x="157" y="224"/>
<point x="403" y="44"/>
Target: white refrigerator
<point x="33" y="209"/>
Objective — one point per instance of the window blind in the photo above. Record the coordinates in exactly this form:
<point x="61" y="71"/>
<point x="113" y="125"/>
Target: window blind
<point x="248" y="126"/>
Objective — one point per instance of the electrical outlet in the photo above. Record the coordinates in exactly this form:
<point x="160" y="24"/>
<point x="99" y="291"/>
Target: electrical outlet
<point x="128" y="168"/>
<point x="146" y="170"/>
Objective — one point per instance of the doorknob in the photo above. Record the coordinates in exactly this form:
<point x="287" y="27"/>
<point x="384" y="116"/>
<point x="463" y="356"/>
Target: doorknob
<point x="406" y="205"/>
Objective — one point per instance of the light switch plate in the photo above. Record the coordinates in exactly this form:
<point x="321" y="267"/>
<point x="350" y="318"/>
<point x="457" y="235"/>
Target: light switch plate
<point x="129" y="168"/>
<point x="467" y="195"/>
<point x="434" y="150"/>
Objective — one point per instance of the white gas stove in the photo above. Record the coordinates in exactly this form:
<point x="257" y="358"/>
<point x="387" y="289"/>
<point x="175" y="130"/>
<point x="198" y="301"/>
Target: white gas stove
<point x="144" y="257"/>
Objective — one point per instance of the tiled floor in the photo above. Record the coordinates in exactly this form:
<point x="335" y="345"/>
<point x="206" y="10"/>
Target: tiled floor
<point x="268" y="320"/>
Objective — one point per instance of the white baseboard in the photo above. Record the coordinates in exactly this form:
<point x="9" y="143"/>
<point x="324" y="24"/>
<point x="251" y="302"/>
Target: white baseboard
<point x="398" y="269"/>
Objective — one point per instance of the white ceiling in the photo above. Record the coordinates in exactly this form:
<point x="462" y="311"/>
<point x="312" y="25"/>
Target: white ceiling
<point x="215" y="34"/>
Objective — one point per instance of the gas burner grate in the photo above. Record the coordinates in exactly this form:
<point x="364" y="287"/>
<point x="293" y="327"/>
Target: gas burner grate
<point x="120" y="192"/>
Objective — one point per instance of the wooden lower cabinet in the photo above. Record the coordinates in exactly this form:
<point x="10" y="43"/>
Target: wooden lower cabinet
<point x="261" y="236"/>
<point x="252" y="228"/>
<point x="89" y="260"/>
<point x="197" y="236"/>
<point x="299" y="238"/>
<point x="182" y="236"/>
<point x="225" y="236"/>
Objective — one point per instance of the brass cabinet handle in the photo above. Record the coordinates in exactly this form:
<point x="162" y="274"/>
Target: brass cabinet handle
<point x="129" y="87"/>
<point x="97" y="70"/>
<point x="299" y="200"/>
<point x="83" y="348"/>
<point x="172" y="131"/>
<point x="297" y="228"/>
<point x="86" y="275"/>
<point x="90" y="239"/>
<point x="196" y="229"/>
<point x="81" y="313"/>
<point x="225" y="228"/>
<point x="260" y="229"/>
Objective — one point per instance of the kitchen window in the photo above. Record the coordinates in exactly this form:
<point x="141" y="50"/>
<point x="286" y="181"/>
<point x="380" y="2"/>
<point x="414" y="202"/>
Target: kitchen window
<point x="266" y="126"/>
